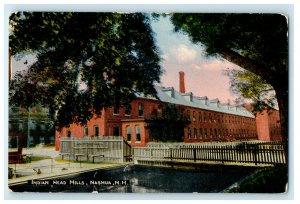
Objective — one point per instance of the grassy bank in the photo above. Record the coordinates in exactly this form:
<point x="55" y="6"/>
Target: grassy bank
<point x="270" y="180"/>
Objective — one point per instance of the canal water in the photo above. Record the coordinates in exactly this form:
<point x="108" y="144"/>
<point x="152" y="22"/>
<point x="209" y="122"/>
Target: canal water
<point x="137" y="179"/>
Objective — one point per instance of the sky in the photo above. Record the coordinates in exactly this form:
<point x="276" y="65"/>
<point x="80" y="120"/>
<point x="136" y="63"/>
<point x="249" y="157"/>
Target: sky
<point x="203" y="76"/>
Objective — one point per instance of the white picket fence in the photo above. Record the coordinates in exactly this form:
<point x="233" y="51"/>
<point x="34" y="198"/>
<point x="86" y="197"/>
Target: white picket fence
<point x="108" y="148"/>
<point x="251" y="153"/>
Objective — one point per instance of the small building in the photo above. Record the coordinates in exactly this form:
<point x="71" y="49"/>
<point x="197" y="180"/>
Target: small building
<point x="33" y="125"/>
<point x="268" y="125"/>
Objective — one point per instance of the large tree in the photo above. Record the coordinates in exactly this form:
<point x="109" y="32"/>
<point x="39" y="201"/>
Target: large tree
<point x="255" y="42"/>
<point x="167" y="125"/>
<point x="85" y="61"/>
<point x="248" y="85"/>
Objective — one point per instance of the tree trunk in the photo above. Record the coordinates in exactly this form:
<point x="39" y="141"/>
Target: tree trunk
<point x="281" y="89"/>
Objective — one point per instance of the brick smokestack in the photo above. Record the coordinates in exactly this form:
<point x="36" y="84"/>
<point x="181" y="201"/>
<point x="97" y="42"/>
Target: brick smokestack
<point x="181" y="82"/>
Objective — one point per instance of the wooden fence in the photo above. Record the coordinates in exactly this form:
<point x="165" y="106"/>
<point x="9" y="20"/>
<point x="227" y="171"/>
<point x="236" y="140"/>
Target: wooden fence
<point x="108" y="148"/>
<point x="250" y="153"/>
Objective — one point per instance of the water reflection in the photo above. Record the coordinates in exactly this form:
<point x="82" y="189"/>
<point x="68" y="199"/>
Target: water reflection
<point x="143" y="180"/>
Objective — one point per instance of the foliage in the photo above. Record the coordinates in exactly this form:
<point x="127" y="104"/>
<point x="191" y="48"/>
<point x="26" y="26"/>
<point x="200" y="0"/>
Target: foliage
<point x="85" y="61"/>
<point x="255" y="42"/>
<point x="168" y="124"/>
<point x="250" y="86"/>
<point x="260" y="38"/>
<point x="13" y="142"/>
<point x="271" y="180"/>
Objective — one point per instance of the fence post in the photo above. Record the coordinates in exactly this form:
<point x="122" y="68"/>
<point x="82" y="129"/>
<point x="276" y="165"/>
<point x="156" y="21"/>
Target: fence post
<point x="195" y="156"/>
<point x="255" y="154"/>
<point x="51" y="165"/>
<point x="222" y="154"/>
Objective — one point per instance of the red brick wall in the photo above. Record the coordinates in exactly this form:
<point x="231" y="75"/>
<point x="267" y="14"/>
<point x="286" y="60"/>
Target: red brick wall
<point x="108" y="121"/>
<point x="144" y="132"/>
<point x="268" y="125"/>
<point x="78" y="131"/>
<point x="219" y="126"/>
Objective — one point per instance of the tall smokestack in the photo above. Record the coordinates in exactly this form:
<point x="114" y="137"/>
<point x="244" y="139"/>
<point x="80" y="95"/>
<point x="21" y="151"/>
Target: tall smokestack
<point x="181" y="82"/>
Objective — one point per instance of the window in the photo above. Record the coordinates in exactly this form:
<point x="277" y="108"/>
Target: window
<point x="204" y="116"/>
<point x="205" y="133"/>
<point x="116" y="131"/>
<point x="116" y="110"/>
<point x="141" y="109"/>
<point x="69" y="133"/>
<point x="200" y="133"/>
<point x="128" y="133"/>
<point x="189" y="133"/>
<point x="216" y="133"/>
<point x="159" y="111"/>
<point x="127" y="110"/>
<point x="200" y="116"/>
<point x="138" y="133"/>
<point x="194" y="116"/>
<point x="195" y="133"/>
<point x="210" y="132"/>
<point x="96" y="131"/>
<point x="86" y="131"/>
<point x="209" y="117"/>
<point x="188" y="115"/>
<point x="20" y="126"/>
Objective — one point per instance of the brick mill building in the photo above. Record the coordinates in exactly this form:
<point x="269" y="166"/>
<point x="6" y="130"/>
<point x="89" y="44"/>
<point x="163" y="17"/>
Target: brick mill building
<point x="268" y="125"/>
<point x="210" y="120"/>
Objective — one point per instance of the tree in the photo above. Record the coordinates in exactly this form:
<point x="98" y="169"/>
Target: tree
<point x="85" y="61"/>
<point x="247" y="85"/>
<point x="168" y="124"/>
<point x="255" y="42"/>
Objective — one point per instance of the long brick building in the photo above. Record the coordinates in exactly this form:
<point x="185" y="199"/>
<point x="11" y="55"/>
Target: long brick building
<point x="210" y="120"/>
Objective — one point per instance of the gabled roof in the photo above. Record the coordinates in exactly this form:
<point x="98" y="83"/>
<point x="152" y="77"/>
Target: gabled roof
<point x="170" y="95"/>
<point x="187" y="99"/>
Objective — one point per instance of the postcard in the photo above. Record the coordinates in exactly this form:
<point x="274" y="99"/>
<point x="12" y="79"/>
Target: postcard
<point x="148" y="102"/>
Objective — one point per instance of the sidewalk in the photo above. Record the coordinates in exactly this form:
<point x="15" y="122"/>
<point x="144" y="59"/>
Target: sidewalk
<point x="50" y="168"/>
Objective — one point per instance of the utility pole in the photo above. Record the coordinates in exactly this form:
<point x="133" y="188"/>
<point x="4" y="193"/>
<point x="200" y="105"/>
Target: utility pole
<point x="28" y="127"/>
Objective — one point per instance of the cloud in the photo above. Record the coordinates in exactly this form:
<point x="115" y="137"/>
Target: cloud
<point x="213" y="65"/>
<point x="184" y="54"/>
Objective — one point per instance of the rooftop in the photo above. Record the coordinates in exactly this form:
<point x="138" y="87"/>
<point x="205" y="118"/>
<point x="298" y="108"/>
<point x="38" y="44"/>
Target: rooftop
<point x="170" y="95"/>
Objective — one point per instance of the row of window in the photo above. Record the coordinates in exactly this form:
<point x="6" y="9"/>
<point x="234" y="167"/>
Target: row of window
<point x="206" y="133"/>
<point x="116" y="132"/>
<point x="137" y="133"/>
<point x="20" y="126"/>
<point x="128" y="110"/>
<point x="216" y="118"/>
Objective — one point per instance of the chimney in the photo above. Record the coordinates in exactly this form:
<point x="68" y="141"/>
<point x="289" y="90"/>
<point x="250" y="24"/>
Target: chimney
<point x="181" y="82"/>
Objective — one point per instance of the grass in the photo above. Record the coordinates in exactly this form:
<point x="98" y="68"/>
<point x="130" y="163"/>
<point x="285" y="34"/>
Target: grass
<point x="83" y="162"/>
<point x="270" y="180"/>
<point x="36" y="158"/>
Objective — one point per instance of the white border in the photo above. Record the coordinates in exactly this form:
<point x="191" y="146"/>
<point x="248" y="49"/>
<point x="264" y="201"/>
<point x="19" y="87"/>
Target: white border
<point x="260" y="6"/>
